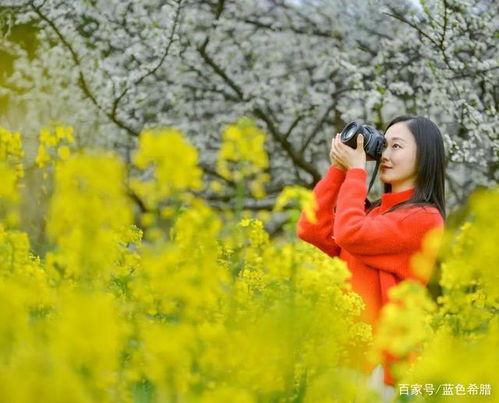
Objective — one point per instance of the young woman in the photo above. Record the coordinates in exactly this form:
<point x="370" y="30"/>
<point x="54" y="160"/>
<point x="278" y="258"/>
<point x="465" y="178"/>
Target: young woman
<point x="377" y="244"/>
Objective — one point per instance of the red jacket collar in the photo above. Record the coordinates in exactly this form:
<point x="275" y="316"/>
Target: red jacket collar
<point x="389" y="200"/>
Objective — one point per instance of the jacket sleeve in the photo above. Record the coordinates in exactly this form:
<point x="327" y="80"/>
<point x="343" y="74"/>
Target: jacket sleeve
<point x="384" y="241"/>
<point x="320" y="234"/>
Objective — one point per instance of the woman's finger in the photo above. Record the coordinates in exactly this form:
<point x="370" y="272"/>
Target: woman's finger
<point x="360" y="142"/>
<point x="337" y="156"/>
<point x="335" y="148"/>
<point x="340" y="146"/>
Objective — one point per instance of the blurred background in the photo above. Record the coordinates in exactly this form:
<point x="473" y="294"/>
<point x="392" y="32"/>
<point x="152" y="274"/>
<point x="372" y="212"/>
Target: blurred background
<point x="300" y="69"/>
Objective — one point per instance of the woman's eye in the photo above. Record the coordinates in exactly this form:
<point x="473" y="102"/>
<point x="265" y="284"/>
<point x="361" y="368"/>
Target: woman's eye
<point x="396" y="146"/>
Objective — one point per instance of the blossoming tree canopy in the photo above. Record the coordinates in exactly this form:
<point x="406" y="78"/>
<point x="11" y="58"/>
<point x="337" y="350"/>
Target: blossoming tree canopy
<point x="301" y="69"/>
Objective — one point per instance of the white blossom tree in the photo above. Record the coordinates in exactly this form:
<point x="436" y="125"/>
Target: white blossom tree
<point x="301" y="69"/>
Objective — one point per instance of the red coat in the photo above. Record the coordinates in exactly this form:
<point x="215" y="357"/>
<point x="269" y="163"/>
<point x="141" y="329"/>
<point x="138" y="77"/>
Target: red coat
<point x="377" y="247"/>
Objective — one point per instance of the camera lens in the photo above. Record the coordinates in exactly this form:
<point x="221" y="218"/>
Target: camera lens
<point x="349" y="134"/>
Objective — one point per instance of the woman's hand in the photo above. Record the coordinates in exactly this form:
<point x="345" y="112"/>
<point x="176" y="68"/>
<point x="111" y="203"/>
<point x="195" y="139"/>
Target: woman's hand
<point x="347" y="157"/>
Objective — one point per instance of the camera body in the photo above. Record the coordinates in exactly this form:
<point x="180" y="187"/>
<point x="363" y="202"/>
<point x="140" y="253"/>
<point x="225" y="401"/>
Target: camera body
<point x="374" y="141"/>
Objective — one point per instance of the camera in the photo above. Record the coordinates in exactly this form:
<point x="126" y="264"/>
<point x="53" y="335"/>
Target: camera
<point x="374" y="141"/>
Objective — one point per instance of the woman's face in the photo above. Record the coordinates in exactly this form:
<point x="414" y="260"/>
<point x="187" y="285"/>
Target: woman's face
<point x="398" y="161"/>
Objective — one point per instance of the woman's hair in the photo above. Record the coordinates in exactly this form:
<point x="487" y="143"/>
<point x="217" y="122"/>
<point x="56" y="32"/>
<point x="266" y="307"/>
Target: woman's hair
<point x="430" y="162"/>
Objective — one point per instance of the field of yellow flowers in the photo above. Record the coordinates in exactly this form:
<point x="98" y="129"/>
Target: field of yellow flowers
<point x="180" y="302"/>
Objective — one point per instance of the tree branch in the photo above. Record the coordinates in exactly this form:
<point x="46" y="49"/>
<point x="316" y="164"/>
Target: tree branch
<point x="301" y="31"/>
<point x="249" y="204"/>
<point x="210" y="171"/>
<point x="287" y="146"/>
<point x="323" y="119"/>
<point x="405" y="21"/>
<point x="292" y="126"/>
<point x="221" y="72"/>
<point x="82" y="81"/>
<point x="440" y="46"/>
<point x="444" y="29"/>
<point x="158" y="65"/>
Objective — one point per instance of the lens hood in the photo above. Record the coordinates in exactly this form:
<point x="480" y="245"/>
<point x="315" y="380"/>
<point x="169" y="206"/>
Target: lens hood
<point x="349" y="134"/>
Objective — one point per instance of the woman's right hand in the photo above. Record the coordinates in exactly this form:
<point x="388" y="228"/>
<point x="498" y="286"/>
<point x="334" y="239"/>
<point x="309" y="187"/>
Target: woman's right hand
<point x="333" y="160"/>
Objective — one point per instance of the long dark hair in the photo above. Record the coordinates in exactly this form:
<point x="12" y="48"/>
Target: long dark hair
<point x="430" y="161"/>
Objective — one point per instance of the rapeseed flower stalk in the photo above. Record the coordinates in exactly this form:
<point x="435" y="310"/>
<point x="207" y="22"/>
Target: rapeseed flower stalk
<point x="470" y="280"/>
<point x="88" y="334"/>
<point x="9" y="196"/>
<point x="242" y="158"/>
<point x="406" y="320"/>
<point x="87" y="210"/>
<point x="301" y="199"/>
<point x="172" y="162"/>
<point x="56" y="143"/>
<point x="11" y="151"/>
<point x="11" y="172"/>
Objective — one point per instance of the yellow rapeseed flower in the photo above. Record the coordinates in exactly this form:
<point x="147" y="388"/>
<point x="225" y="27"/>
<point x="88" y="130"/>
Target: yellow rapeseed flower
<point x="173" y="162"/>
<point x="304" y="200"/>
<point x="242" y="156"/>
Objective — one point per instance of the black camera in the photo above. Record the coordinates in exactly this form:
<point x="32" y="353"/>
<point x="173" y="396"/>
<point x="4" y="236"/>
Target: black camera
<point x="374" y="141"/>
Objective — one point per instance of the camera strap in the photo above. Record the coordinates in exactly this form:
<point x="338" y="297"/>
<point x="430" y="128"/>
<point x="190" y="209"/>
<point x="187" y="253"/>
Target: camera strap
<point x="378" y="161"/>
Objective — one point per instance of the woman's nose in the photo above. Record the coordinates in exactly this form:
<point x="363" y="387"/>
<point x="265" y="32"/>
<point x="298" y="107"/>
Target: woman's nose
<point x="385" y="155"/>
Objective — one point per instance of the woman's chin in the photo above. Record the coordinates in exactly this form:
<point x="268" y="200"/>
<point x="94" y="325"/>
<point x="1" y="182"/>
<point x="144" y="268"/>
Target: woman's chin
<point x="385" y="178"/>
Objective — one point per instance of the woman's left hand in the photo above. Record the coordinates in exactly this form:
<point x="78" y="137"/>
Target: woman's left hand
<point x="349" y="157"/>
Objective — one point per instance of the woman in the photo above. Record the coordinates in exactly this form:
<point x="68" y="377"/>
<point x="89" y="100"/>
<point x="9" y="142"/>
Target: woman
<point x="377" y="244"/>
